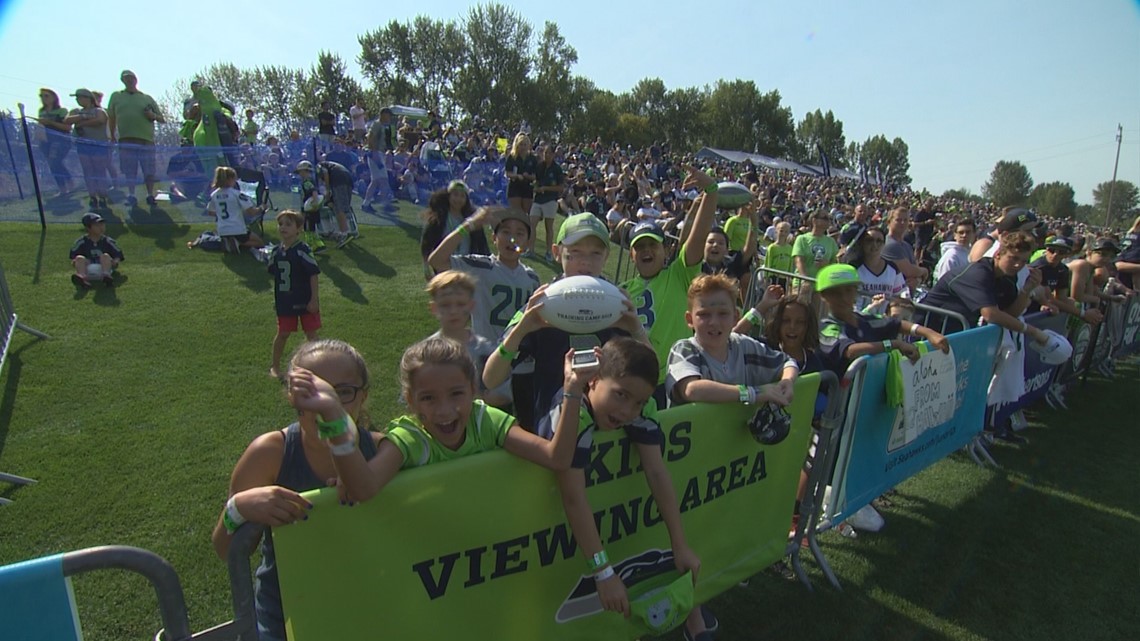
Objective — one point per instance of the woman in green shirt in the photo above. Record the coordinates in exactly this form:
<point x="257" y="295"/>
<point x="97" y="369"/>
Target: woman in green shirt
<point x="55" y="138"/>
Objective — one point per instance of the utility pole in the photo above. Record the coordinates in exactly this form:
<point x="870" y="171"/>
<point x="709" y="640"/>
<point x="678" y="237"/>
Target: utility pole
<point x="1112" y="188"/>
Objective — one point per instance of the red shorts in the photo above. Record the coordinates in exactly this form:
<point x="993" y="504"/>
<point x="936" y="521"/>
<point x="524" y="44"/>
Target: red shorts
<point x="309" y="322"/>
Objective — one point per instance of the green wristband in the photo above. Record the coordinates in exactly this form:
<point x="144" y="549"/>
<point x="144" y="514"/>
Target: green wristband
<point x="506" y="353"/>
<point x="598" y="561"/>
<point x="334" y="428"/>
<point x="463" y="231"/>
<point x="712" y="189"/>
<point x="752" y="317"/>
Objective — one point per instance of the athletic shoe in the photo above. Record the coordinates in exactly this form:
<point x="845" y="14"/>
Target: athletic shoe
<point x="368" y="208"/>
<point x="549" y="257"/>
<point x="866" y="519"/>
<point x="80" y="281"/>
<point x="108" y="281"/>
<point x="712" y="624"/>
<point x="151" y="201"/>
<point x="342" y="239"/>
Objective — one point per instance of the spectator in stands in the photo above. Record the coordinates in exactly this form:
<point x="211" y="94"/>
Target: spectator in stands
<point x="956" y="253"/>
<point x="95" y="253"/>
<point x="89" y="123"/>
<point x="326" y="125"/>
<point x="380" y="142"/>
<point x="1128" y="262"/>
<point x="112" y="169"/>
<point x="131" y="115"/>
<point x="187" y="176"/>
<point x="357" y="114"/>
<point x="250" y="129"/>
<point x="879" y="279"/>
<point x="1012" y="219"/>
<point x="1056" y="280"/>
<point x="814" y="250"/>
<point x="520" y="169"/>
<point x="853" y="228"/>
<point x="899" y="251"/>
<point x="53" y="138"/>
<point x="925" y="223"/>
<point x="549" y="182"/>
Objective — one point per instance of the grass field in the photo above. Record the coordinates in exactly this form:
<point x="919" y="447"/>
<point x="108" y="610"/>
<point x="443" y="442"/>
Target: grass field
<point x="132" y="416"/>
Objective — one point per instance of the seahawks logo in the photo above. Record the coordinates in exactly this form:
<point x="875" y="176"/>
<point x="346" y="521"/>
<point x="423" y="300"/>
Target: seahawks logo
<point x="583" y="600"/>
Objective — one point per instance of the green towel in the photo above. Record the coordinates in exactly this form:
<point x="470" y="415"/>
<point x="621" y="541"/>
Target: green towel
<point x="894" y="374"/>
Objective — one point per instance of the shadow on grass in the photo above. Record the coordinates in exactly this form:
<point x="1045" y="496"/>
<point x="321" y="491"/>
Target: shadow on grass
<point x="368" y="263"/>
<point x="39" y="257"/>
<point x="61" y="207"/>
<point x="156" y="223"/>
<point x="253" y="274"/>
<point x="345" y="284"/>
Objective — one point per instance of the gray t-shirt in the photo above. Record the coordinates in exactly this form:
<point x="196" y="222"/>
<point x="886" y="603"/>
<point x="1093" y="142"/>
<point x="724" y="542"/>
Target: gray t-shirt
<point x="92" y="132"/>
<point x="750" y="362"/>
<point x="898" y="251"/>
<point x="501" y="292"/>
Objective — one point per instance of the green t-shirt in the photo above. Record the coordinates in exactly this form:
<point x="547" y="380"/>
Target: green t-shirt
<point x="661" y="303"/>
<point x="816" y="250"/>
<point x="779" y="257"/>
<point x="1037" y="254"/>
<point x="127" y="110"/>
<point x="249" y="131"/>
<point x="737" y="228"/>
<point x="486" y="430"/>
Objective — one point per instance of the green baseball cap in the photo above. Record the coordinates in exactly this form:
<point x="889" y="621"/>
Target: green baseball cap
<point x="579" y="226"/>
<point x="661" y="603"/>
<point x="836" y="276"/>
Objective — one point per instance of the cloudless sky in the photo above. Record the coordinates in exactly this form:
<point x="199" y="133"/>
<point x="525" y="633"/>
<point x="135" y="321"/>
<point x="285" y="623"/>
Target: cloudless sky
<point x="964" y="83"/>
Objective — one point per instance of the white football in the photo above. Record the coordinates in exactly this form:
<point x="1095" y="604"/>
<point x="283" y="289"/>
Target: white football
<point x="312" y="205"/>
<point x="582" y="304"/>
<point x="732" y="195"/>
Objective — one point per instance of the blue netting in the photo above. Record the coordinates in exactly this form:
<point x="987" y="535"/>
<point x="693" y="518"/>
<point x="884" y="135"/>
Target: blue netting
<point x="184" y="171"/>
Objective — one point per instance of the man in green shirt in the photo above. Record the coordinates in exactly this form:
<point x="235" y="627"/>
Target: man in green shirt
<point x="131" y="115"/>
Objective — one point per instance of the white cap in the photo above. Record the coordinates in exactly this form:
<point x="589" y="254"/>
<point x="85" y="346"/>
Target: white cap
<point x="1056" y="350"/>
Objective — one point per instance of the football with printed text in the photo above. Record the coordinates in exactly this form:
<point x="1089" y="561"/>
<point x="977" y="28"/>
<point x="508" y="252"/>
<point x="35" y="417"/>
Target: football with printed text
<point x="582" y="304"/>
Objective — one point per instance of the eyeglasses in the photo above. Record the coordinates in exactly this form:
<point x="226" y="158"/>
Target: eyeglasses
<point x="347" y="393"/>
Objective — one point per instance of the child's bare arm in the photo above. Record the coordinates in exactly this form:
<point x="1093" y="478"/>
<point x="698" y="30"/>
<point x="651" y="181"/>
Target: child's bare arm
<point x="661" y="486"/>
<point x="572" y="486"/>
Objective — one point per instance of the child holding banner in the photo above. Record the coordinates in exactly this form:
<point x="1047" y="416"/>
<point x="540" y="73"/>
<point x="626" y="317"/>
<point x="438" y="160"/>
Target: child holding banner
<point x="267" y="481"/>
<point x="620" y="396"/>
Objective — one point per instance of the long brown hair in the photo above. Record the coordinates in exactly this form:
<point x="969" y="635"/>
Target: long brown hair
<point x="811" y="330"/>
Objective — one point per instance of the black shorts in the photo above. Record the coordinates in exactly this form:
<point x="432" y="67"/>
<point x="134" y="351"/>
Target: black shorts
<point x="520" y="189"/>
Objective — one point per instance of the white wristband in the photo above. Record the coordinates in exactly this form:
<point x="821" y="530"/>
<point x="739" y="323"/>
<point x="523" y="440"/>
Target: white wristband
<point x="343" y="449"/>
<point x="235" y="517"/>
<point x="914" y="329"/>
<point x="604" y="573"/>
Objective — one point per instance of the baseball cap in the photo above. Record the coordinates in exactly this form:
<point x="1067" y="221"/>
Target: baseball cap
<point x="1056" y="350"/>
<point x="1060" y="242"/>
<point x="90" y="218"/>
<point x="644" y="230"/>
<point x="1104" y="244"/>
<point x="579" y="226"/>
<point x="304" y="165"/>
<point x="661" y="603"/>
<point x="503" y="214"/>
<point x="127" y="72"/>
<point x="836" y="276"/>
<point x="83" y="93"/>
<point x="1017" y="220"/>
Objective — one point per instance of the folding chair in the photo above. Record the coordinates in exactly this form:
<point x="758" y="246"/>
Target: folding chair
<point x="252" y="182"/>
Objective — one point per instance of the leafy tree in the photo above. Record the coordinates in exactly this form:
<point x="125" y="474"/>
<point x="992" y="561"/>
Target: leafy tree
<point x="1009" y="184"/>
<point x="413" y="62"/>
<point x="738" y="116"/>
<point x="1053" y="199"/>
<point x="598" y="120"/>
<point x="279" y="94"/>
<point x="1124" y="200"/>
<point x="236" y="86"/>
<point x="819" y="130"/>
<point x="554" y="84"/>
<point x="328" y="80"/>
<point x="680" y="121"/>
<point x="890" y="158"/>
<point x="962" y="193"/>
<point x="633" y="129"/>
<point x="497" y="65"/>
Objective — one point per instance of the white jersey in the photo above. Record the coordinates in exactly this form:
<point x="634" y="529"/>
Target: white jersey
<point x="888" y="283"/>
<point x="229" y="205"/>
<point x="501" y="292"/>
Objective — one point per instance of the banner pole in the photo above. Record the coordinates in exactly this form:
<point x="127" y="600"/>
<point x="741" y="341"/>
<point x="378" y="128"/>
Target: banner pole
<point x="12" y="159"/>
<point x="32" y="163"/>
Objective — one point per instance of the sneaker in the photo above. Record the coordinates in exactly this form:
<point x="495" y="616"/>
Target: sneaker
<point x="108" y="281"/>
<point x="342" y="239"/>
<point x="549" y="257"/>
<point x="712" y="624"/>
<point x="866" y="519"/>
<point x="783" y="570"/>
<point x="80" y="281"/>
<point x="368" y="208"/>
<point x="151" y="201"/>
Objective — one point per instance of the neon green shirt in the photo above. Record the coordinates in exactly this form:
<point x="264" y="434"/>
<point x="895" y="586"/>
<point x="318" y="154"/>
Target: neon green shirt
<point x="779" y="257"/>
<point x="127" y="110"/>
<point x="737" y="228"/>
<point x="817" y="251"/>
<point x="486" y="430"/>
<point x="661" y="303"/>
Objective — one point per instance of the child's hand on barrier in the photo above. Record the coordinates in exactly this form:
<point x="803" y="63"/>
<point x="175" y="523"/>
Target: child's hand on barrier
<point x="910" y="352"/>
<point x="940" y="343"/>
<point x="785" y="390"/>
<point x="272" y="505"/>
<point x="613" y="595"/>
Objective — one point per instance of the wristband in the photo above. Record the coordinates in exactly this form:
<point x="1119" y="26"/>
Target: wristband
<point x="605" y="573"/>
<point x="231" y="518"/>
<point x="569" y="395"/>
<point x="886" y="346"/>
<point x="462" y="229"/>
<point x="598" y="560"/>
<point x="754" y="393"/>
<point x="334" y="428"/>
<point x="711" y="189"/>
<point x="914" y="329"/>
<point x="343" y="449"/>
<point x="752" y="317"/>
<point x="745" y="395"/>
<point x="506" y="353"/>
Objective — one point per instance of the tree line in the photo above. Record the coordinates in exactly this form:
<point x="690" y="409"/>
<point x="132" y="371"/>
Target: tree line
<point x="493" y="63"/>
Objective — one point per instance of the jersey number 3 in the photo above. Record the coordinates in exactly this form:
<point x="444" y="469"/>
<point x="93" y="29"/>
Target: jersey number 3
<point x="285" y="273"/>
<point x="645" y="313"/>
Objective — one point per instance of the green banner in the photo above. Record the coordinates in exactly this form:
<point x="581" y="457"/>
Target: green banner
<point x="479" y="548"/>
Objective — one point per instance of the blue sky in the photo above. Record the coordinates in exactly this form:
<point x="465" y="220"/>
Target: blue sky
<point x="965" y="84"/>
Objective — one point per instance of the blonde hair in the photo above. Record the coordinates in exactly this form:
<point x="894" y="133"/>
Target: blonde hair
<point x="290" y="214"/>
<point x="434" y="351"/>
<point x="519" y="139"/>
<point x="451" y="279"/>
<point x="224" y="175"/>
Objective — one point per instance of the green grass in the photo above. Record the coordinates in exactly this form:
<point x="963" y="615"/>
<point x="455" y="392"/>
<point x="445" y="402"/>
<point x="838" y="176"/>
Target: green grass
<point x="132" y="416"/>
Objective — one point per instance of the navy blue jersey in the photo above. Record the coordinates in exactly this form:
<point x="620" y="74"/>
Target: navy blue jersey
<point x="292" y="268"/>
<point x="93" y="249"/>
<point x="835" y="336"/>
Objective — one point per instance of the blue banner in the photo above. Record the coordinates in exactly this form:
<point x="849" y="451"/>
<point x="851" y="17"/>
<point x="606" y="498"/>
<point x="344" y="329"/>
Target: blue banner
<point x="869" y="464"/>
<point x="1038" y="376"/>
